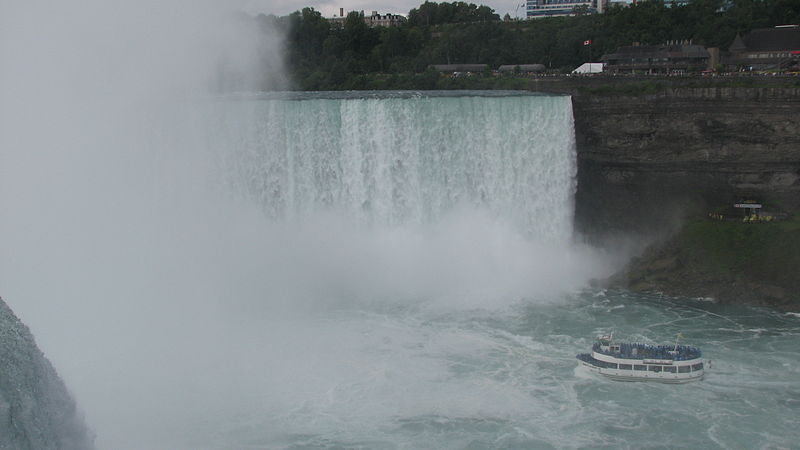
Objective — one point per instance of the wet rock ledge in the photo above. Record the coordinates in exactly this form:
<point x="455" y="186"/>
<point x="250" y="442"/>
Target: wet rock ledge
<point x="36" y="410"/>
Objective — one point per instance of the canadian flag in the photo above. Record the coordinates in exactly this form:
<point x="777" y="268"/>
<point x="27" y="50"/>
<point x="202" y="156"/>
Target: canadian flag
<point x="587" y="42"/>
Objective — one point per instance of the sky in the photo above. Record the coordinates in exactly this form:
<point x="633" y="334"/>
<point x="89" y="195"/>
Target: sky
<point x="328" y="8"/>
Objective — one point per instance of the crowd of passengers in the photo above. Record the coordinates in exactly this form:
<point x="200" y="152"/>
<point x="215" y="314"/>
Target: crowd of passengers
<point x="684" y="352"/>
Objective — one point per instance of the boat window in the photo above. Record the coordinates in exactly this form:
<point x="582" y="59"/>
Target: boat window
<point x="639" y="367"/>
<point x="655" y="368"/>
<point x="625" y="366"/>
<point x="683" y="369"/>
<point x="606" y="365"/>
<point x="670" y="369"/>
<point x="698" y="366"/>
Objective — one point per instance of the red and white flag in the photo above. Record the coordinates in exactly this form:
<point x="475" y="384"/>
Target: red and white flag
<point x="587" y="42"/>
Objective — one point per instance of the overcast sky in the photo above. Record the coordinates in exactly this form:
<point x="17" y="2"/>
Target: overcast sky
<point x="330" y="7"/>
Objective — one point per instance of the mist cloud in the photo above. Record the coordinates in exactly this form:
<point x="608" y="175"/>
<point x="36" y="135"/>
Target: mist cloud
<point x="166" y="303"/>
<point x="102" y="185"/>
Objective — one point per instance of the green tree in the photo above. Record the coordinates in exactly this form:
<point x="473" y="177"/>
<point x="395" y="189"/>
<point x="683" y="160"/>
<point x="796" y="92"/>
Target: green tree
<point x="321" y="55"/>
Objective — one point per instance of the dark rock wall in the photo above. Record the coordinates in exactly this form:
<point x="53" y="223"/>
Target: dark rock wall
<point x="646" y="162"/>
<point x="36" y="410"/>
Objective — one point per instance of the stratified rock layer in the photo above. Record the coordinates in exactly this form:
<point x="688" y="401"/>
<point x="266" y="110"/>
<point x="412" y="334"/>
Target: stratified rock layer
<point x="36" y="410"/>
<point x="646" y="162"/>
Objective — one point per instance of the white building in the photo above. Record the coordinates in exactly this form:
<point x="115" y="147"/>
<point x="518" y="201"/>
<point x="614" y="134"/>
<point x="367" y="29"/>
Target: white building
<point x="556" y="8"/>
<point x="589" y="68"/>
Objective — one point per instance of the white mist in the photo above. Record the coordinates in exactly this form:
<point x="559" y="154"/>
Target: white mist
<point x="187" y="305"/>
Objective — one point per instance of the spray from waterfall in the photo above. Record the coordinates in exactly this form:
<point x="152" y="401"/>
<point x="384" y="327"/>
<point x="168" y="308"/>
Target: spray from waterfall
<point x="101" y="198"/>
<point x="462" y="199"/>
<point x="400" y="161"/>
<point x="147" y="223"/>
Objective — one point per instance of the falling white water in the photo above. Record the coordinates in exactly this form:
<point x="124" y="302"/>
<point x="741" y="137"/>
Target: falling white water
<point x="408" y="160"/>
<point x="457" y="197"/>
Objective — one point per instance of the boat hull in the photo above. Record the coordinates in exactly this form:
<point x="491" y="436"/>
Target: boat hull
<point x="667" y="378"/>
<point x="643" y="369"/>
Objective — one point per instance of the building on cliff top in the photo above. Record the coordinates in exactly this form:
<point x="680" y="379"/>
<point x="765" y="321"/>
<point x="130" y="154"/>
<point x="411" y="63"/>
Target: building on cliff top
<point x="766" y="49"/>
<point x="672" y="58"/>
<point x="373" y="20"/>
<point x="522" y="68"/>
<point x="536" y="9"/>
<point x="589" y="68"/>
<point x="460" y="68"/>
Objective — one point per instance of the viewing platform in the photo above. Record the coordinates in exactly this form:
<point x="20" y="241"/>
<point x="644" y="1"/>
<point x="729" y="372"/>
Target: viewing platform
<point x="748" y="211"/>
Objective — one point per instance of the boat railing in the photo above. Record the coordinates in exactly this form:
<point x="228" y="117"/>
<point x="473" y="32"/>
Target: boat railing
<point x="641" y="351"/>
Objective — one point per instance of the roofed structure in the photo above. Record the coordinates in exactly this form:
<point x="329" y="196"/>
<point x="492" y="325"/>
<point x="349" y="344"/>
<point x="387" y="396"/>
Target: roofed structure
<point x="384" y="20"/>
<point x="654" y="59"/>
<point x="373" y="20"/>
<point x="460" y="67"/>
<point x="766" y="48"/>
<point x="523" y="68"/>
<point x="558" y="8"/>
<point x="589" y="68"/>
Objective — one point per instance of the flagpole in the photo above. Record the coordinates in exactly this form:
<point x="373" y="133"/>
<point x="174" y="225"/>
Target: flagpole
<point x="588" y="53"/>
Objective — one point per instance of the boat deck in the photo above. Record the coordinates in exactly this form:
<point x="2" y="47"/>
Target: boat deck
<point x="646" y="351"/>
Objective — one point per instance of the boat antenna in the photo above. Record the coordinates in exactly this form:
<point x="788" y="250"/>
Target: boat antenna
<point x="676" y="341"/>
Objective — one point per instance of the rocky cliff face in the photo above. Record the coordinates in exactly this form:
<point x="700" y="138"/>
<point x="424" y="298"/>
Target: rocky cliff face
<point x="36" y="411"/>
<point x="646" y="162"/>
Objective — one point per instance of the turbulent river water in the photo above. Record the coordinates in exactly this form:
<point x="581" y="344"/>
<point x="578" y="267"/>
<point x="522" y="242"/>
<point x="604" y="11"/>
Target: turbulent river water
<point x="407" y="377"/>
<point x="383" y="270"/>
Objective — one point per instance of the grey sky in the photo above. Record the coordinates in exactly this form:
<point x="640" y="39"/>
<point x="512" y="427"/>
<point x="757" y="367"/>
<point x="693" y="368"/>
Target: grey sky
<point x="330" y="7"/>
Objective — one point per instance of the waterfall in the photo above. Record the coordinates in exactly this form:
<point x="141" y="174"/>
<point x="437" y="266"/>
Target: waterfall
<point x="406" y="160"/>
<point x="182" y="257"/>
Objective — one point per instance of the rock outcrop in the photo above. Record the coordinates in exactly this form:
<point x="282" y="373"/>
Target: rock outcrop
<point x="36" y="410"/>
<point x="650" y="162"/>
<point x="730" y="262"/>
<point x="647" y="162"/>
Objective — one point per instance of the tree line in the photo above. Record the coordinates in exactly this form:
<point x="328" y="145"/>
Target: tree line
<point x="322" y="55"/>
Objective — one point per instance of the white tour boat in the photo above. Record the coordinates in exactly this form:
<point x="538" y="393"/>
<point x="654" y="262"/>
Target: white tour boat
<point x="642" y="362"/>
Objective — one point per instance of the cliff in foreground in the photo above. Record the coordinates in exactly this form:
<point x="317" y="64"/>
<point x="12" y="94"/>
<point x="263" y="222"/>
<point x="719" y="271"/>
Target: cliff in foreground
<point x="36" y="410"/>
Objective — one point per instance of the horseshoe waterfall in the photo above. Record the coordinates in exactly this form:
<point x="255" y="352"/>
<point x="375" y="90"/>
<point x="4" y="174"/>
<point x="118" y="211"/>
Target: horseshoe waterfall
<point x="410" y="159"/>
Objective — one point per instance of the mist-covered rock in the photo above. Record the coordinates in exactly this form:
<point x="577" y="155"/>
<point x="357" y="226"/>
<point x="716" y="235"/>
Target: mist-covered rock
<point x="36" y="410"/>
